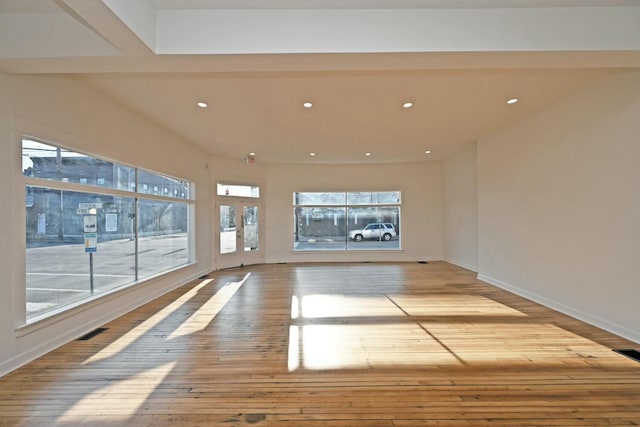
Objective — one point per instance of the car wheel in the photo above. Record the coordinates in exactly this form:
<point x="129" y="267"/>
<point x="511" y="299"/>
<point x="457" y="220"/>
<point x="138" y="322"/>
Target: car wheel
<point x="386" y="237"/>
<point x="358" y="237"/>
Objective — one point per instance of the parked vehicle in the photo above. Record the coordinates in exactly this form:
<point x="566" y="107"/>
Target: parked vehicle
<point x="376" y="230"/>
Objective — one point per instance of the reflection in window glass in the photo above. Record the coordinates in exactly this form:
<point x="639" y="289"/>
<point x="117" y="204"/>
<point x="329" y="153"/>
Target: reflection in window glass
<point x="123" y="238"/>
<point x="251" y="230"/>
<point x="40" y="160"/>
<point x="320" y="228"/>
<point x="320" y="199"/>
<point x="374" y="228"/>
<point x="374" y="198"/>
<point x="57" y="264"/>
<point x="250" y="191"/>
<point x="227" y="229"/>
<point x="154" y="183"/>
<point x="365" y="221"/>
<point x="162" y="236"/>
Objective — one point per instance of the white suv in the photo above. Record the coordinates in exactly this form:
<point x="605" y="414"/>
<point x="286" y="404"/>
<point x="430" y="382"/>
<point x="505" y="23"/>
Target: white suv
<point x="376" y="230"/>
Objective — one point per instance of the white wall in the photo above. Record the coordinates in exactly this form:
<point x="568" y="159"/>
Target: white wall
<point x="6" y="221"/>
<point x="421" y="211"/>
<point x="559" y="205"/>
<point x="461" y="208"/>
<point x="69" y="113"/>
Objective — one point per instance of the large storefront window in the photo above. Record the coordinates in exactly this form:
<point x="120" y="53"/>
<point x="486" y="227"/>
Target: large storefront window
<point x="346" y="221"/>
<point x="163" y="236"/>
<point x="93" y="226"/>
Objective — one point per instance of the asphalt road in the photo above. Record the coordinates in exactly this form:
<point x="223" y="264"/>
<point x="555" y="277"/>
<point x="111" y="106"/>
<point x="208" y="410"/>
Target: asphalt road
<point x="351" y="245"/>
<point x="59" y="275"/>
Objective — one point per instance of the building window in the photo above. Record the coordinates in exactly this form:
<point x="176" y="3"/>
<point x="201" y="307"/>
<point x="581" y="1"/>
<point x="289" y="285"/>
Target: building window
<point x="91" y="236"/>
<point x="346" y="221"/>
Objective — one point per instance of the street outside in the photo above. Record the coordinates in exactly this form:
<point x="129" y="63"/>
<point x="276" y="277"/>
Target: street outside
<point x="58" y="274"/>
<point x="338" y="243"/>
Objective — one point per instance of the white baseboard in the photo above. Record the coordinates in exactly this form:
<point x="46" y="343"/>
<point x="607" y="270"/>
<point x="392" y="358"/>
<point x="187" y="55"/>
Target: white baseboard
<point x="570" y="311"/>
<point x="33" y="353"/>
<point x="462" y="264"/>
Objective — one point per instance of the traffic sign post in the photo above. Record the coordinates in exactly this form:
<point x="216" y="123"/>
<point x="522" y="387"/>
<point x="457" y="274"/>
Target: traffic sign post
<point x="90" y="237"/>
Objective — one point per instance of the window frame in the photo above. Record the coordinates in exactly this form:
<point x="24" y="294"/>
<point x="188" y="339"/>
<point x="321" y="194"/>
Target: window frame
<point x="133" y="192"/>
<point x="220" y="185"/>
<point x="347" y="207"/>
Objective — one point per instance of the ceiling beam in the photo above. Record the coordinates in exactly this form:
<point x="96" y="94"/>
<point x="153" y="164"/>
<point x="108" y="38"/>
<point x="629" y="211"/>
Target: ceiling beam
<point x="99" y="17"/>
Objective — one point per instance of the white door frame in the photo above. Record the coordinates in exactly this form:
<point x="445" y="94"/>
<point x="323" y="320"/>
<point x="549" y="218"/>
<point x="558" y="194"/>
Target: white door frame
<point x="241" y="255"/>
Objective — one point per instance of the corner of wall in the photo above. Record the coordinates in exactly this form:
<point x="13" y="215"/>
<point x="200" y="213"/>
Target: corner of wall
<point x="562" y="308"/>
<point x="460" y="208"/>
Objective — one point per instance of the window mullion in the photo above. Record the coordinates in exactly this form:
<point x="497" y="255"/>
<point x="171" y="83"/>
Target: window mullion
<point x="69" y="214"/>
<point x="78" y="188"/>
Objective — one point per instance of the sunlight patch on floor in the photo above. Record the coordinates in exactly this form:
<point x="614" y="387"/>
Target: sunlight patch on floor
<point x="128" y="338"/>
<point x="442" y="304"/>
<point x="320" y="347"/>
<point x="325" y="306"/>
<point x="119" y="401"/>
<point x="541" y="344"/>
<point x="199" y="320"/>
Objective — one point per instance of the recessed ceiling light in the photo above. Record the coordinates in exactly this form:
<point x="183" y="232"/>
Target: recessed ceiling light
<point x="307" y="105"/>
<point x="312" y="154"/>
<point x="367" y="154"/>
<point x="252" y="154"/>
<point x="407" y="105"/>
<point x="202" y="104"/>
<point x="427" y="152"/>
<point x="512" y="100"/>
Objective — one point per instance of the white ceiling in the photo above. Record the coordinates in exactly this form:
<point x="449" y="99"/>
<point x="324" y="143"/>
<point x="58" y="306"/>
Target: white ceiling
<point x="255" y="101"/>
<point x="353" y="112"/>
<point x="28" y="6"/>
<point x="381" y="4"/>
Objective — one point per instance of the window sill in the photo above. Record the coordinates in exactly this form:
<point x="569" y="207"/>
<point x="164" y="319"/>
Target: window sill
<point x="348" y="251"/>
<point x="58" y="315"/>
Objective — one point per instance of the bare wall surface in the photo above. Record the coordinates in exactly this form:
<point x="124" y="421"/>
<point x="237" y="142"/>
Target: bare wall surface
<point x="559" y="205"/>
<point x="461" y="208"/>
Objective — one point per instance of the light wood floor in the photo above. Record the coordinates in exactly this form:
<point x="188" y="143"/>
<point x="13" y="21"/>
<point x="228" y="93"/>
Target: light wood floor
<point x="403" y="345"/>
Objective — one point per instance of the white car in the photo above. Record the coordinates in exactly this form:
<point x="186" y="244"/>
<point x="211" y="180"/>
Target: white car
<point x="376" y="230"/>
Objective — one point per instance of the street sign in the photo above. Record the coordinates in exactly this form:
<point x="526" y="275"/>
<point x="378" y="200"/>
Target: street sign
<point x="90" y="242"/>
<point x="88" y="208"/>
<point x="90" y="224"/>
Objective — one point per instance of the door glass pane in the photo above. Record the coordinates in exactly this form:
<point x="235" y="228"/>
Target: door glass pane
<point x="251" y="228"/>
<point x="227" y="229"/>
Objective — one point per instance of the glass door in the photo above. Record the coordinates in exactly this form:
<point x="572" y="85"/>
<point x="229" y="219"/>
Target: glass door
<point x="239" y="235"/>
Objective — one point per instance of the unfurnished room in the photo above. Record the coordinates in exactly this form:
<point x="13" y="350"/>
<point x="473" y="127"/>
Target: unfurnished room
<point x="385" y="213"/>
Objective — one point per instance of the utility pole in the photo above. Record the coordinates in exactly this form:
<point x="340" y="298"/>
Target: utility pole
<point x="59" y="177"/>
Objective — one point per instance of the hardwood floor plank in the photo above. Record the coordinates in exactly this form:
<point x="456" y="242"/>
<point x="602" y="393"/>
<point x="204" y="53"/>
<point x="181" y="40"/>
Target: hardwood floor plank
<point x="328" y="345"/>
